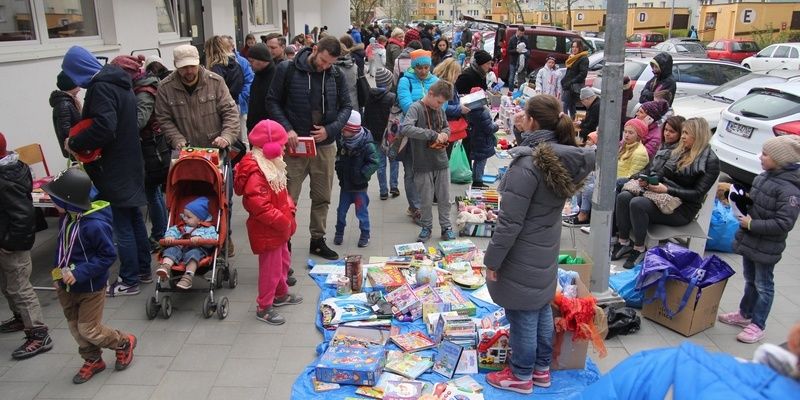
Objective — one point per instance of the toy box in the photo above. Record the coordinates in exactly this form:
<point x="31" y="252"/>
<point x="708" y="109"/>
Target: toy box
<point x="350" y="365"/>
<point x="494" y="349"/>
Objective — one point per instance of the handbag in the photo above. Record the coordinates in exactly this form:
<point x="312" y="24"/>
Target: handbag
<point x="633" y="187"/>
<point x="458" y="129"/>
<point x="666" y="203"/>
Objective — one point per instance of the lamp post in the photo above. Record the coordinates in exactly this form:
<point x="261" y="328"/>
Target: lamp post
<point x="671" y="20"/>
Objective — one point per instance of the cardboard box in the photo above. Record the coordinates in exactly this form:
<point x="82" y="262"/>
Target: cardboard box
<point x="571" y="354"/>
<point x="584" y="270"/>
<point x="698" y="315"/>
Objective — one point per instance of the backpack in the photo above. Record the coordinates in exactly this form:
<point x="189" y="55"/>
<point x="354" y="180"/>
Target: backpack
<point x="155" y="150"/>
<point x="233" y="75"/>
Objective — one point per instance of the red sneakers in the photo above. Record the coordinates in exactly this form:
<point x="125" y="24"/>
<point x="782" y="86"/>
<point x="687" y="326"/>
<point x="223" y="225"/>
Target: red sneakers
<point x="506" y="380"/>
<point x="541" y="378"/>
<point x="125" y="354"/>
<point x="88" y="370"/>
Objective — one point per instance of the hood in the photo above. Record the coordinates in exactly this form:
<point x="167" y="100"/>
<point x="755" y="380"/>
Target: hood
<point x="788" y="175"/>
<point x="58" y="96"/>
<point x="664" y="61"/>
<point x="244" y="169"/>
<point x="406" y="53"/>
<point x="10" y="169"/>
<point x="147" y="80"/>
<point x="101" y="210"/>
<point x="377" y="94"/>
<point x="301" y="60"/>
<point x="358" y="49"/>
<point x="345" y="61"/>
<point x="80" y="65"/>
<point x="563" y="167"/>
<point x="114" y="75"/>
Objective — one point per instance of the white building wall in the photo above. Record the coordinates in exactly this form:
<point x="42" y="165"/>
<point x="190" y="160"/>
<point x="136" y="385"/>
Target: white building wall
<point x="335" y="14"/>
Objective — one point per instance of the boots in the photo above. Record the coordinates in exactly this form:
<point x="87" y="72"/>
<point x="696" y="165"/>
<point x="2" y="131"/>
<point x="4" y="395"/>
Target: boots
<point x="37" y="340"/>
<point x="318" y="247"/>
<point x="13" y="324"/>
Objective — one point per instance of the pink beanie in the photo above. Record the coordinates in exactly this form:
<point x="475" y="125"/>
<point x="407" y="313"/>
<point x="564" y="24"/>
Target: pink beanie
<point x="639" y="126"/>
<point x="270" y="137"/>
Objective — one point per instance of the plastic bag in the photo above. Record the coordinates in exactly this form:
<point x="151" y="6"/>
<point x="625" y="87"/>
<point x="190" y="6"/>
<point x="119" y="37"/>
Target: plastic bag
<point x="622" y="321"/>
<point x="460" y="171"/>
<point x="624" y="283"/>
<point x="723" y="228"/>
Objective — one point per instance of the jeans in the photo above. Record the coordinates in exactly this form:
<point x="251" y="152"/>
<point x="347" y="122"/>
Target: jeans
<point x="512" y="73"/>
<point x="568" y="100"/>
<point x="361" y="200"/>
<point x="157" y="209"/>
<point x="408" y="182"/>
<point x="133" y="249"/>
<point x="531" y="339"/>
<point x="585" y="196"/>
<point x="759" y="290"/>
<point x="634" y="214"/>
<point x="394" y="168"/>
<point x="185" y="255"/>
<point x="478" y="167"/>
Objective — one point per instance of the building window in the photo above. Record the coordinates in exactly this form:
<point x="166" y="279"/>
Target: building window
<point x="76" y="18"/>
<point x="441" y="13"/>
<point x="166" y="16"/>
<point x="17" y="22"/>
<point x="441" y="1"/>
<point x="261" y="12"/>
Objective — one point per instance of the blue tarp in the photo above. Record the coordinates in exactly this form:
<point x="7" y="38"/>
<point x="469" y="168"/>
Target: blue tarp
<point x="566" y="384"/>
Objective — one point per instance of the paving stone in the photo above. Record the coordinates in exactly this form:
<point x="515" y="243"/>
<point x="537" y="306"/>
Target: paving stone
<point x="184" y="385"/>
<point x="21" y="390"/>
<point x="200" y="357"/>
<point x="125" y="392"/>
<point x="145" y="370"/>
<point x="256" y="345"/>
<point x="42" y="368"/>
<point x="238" y="393"/>
<point x="246" y="372"/>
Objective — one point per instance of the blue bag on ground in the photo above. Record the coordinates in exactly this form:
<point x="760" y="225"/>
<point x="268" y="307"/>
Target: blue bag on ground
<point x="723" y="228"/>
<point x="624" y="283"/>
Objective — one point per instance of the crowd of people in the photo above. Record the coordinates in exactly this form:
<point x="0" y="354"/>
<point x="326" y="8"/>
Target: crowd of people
<point x="314" y="88"/>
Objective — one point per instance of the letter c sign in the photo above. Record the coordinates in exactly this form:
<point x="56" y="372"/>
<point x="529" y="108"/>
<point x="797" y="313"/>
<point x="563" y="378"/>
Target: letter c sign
<point x="579" y="16"/>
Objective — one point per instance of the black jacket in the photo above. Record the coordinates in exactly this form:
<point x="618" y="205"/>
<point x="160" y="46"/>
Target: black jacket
<point x="511" y="50"/>
<point x="592" y="119"/>
<point x="469" y="79"/>
<point x="297" y="86"/>
<point x="111" y="104"/>
<point x="65" y="115"/>
<point x="354" y="167"/>
<point x="664" y="80"/>
<point x="575" y="77"/>
<point x="690" y="184"/>
<point x="481" y="134"/>
<point x="17" y="218"/>
<point x="257" y="107"/>
<point x="233" y="75"/>
<point x="376" y="112"/>
<point x="426" y="39"/>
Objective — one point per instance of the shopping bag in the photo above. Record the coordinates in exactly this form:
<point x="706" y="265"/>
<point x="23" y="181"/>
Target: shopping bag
<point x="458" y="129"/>
<point x="460" y="171"/>
<point x="624" y="283"/>
<point x="723" y="228"/>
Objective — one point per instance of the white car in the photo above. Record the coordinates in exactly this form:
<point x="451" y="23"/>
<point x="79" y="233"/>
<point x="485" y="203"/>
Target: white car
<point x="597" y="43"/>
<point x="766" y="112"/>
<point x="781" y="55"/>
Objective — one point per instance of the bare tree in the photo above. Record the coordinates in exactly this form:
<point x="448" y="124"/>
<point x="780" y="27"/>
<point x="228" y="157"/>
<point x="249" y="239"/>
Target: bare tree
<point x="361" y="11"/>
<point x="514" y="8"/>
<point x="551" y="5"/>
<point x="569" y="12"/>
<point x="486" y="5"/>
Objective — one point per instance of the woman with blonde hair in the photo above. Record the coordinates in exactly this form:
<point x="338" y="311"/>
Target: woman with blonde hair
<point x="222" y="62"/>
<point x="449" y="70"/>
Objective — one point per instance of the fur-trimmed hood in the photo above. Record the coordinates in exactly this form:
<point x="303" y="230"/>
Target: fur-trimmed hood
<point x="562" y="167"/>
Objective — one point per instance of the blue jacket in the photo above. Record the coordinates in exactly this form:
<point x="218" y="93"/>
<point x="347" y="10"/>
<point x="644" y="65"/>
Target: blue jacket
<point x="453" y="107"/>
<point x="354" y="166"/>
<point x="481" y="134"/>
<point x="356" y="35"/>
<point x="244" y="97"/>
<point x="411" y="89"/>
<point x="93" y="251"/>
<point x="203" y="232"/>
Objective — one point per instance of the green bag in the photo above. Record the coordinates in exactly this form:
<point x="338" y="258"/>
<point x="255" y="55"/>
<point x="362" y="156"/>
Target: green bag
<point x="460" y="172"/>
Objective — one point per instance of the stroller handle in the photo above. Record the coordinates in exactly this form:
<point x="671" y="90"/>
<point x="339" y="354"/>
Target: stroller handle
<point x="188" y="242"/>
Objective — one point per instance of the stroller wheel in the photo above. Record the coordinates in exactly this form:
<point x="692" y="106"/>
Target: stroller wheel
<point x="218" y="278"/>
<point x="222" y="308"/>
<point x="233" y="280"/>
<point x="151" y="308"/>
<point x="208" y="307"/>
<point x="166" y="307"/>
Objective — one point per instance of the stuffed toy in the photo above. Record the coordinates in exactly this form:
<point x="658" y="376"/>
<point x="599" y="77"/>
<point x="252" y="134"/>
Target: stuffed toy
<point x="739" y="200"/>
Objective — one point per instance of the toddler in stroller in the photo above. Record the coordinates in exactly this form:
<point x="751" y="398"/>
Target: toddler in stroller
<point x="196" y="225"/>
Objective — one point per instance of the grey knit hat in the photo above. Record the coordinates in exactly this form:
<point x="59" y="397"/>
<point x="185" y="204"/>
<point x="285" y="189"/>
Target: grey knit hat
<point x="784" y="150"/>
<point x="383" y="78"/>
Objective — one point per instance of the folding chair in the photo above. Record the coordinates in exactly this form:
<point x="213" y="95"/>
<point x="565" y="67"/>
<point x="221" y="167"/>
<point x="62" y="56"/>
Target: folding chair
<point x="32" y="154"/>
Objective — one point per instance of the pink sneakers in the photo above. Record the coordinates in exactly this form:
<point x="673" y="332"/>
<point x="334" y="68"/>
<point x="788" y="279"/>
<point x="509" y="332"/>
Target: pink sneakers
<point x="541" y="378"/>
<point x="734" y="318"/>
<point x="751" y="334"/>
<point x="506" y="380"/>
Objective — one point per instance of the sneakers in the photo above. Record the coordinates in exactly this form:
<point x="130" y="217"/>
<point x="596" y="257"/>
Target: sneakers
<point x="363" y="241"/>
<point x="120" y="288"/>
<point x="291" y="281"/>
<point x="288" y="300"/>
<point x="415" y="214"/>
<point x="145" y="278"/>
<point x="163" y="271"/>
<point x="634" y="257"/>
<point x="338" y="239"/>
<point x="186" y="281"/>
<point x="424" y="235"/>
<point x="269" y="316"/>
<point x="13" y="324"/>
<point x="125" y="353"/>
<point x="231" y="248"/>
<point x="734" y="318"/>
<point x="88" y="370"/>
<point x="37" y="341"/>
<point x="448" y="234"/>
<point x="384" y="196"/>
<point x="395" y="192"/>
<point x="319" y="248"/>
<point x="541" y="378"/>
<point x="619" y="250"/>
<point x="506" y="380"/>
<point x="751" y="334"/>
<point x="479" y="185"/>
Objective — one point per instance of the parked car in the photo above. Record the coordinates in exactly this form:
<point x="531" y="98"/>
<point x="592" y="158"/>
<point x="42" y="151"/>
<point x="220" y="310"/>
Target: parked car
<point x="597" y="43"/>
<point x="692" y="75"/>
<point x="391" y="21"/>
<point x="644" y="39"/>
<point x="683" y="47"/>
<point x="734" y="50"/>
<point x="765" y="112"/>
<point x="782" y="55"/>
<point x="710" y="105"/>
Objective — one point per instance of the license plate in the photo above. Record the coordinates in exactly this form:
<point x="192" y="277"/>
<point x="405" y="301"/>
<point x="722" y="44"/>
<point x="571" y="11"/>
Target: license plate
<point x="739" y="129"/>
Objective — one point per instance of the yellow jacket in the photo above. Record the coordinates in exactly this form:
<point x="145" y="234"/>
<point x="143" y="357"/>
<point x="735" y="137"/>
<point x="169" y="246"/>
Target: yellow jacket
<point x="634" y="162"/>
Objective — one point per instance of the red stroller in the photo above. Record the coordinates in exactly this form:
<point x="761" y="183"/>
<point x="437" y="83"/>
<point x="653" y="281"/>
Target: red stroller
<point x="199" y="172"/>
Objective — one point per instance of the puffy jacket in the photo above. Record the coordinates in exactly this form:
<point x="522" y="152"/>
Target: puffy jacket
<point x="411" y="89"/>
<point x="257" y="109"/>
<point x="347" y="67"/>
<point x="244" y="96"/>
<point x="452" y="109"/>
<point x="692" y="183"/>
<point x="393" y="50"/>
<point x="93" y="252"/>
<point x="481" y="134"/>
<point x="776" y="204"/>
<point x="233" y="75"/>
<point x="469" y="79"/>
<point x="17" y="217"/>
<point x="271" y="221"/>
<point x="634" y="164"/>
<point x="663" y="81"/>
<point x="653" y="140"/>
<point x="355" y="166"/>
<point x="65" y="116"/>
<point x="575" y="77"/>
<point x="376" y="112"/>
<point x="145" y="89"/>
<point x="548" y="81"/>
<point x="290" y="99"/>
<point x="111" y="104"/>
<point x="592" y="119"/>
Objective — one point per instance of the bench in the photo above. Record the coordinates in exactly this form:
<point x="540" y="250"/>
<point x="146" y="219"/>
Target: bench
<point x="695" y="232"/>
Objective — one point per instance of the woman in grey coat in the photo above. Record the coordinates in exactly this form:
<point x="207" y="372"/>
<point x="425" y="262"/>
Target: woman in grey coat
<point x="546" y="169"/>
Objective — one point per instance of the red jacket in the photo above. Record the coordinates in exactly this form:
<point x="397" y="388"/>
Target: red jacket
<point x="271" y="222"/>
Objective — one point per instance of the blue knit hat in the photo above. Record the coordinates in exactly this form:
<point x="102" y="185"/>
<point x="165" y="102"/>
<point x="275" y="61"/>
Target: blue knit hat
<point x="420" y="57"/>
<point x="199" y="207"/>
<point x="80" y="65"/>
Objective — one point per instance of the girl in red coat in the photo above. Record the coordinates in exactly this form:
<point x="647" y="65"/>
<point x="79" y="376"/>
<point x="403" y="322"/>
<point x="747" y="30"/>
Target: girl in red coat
<point x="261" y="181"/>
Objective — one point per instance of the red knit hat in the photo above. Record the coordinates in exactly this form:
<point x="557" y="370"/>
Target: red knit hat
<point x="411" y="34"/>
<point x="639" y="126"/>
<point x="3" y="151"/>
<point x="131" y="64"/>
<point x="353" y="123"/>
<point x="270" y="136"/>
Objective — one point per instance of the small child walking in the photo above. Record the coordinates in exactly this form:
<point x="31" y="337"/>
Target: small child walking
<point x="85" y="254"/>
<point x="356" y="161"/>
<point x="376" y="120"/>
<point x="195" y="225"/>
<point x="762" y="235"/>
<point x="260" y="178"/>
<point x="426" y="127"/>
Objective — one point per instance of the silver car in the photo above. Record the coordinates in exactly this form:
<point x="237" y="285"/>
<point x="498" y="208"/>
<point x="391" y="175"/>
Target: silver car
<point x="683" y="47"/>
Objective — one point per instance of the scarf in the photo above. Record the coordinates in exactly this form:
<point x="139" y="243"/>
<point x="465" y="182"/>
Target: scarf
<point x="535" y="138"/>
<point x="474" y="65"/>
<point x="274" y="170"/>
<point x="355" y="142"/>
<point x="575" y="57"/>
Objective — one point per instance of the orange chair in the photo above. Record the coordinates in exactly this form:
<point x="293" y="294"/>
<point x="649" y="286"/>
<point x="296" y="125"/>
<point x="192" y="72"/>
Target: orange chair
<point x="33" y="154"/>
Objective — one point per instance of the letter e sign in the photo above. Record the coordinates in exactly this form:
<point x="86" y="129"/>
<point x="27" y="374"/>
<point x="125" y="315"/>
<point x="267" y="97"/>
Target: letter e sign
<point x="748" y="16"/>
<point x="642" y="17"/>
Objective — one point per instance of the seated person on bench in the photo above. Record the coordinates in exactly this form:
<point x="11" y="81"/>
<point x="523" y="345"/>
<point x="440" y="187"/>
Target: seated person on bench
<point x="195" y="225"/>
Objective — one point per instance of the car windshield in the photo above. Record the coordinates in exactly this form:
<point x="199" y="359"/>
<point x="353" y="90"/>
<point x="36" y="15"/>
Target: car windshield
<point x="745" y="46"/>
<point x="739" y="87"/>
<point x="766" y="104"/>
<point x="655" y="38"/>
<point x="633" y="70"/>
<point x="689" y="48"/>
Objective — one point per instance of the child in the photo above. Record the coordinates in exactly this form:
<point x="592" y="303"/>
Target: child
<point x="632" y="157"/>
<point x="376" y="120"/>
<point x="481" y="140"/>
<point x="761" y="239"/>
<point x="548" y="79"/>
<point x="261" y="181"/>
<point x="583" y="200"/>
<point x="195" y="225"/>
<point x="651" y="113"/>
<point x="17" y="234"/>
<point x="85" y="253"/>
<point x="426" y="127"/>
<point x="521" y="75"/>
<point x="356" y="161"/>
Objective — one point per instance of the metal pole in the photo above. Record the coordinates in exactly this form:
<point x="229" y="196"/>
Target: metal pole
<point x="604" y="196"/>
<point x="671" y="20"/>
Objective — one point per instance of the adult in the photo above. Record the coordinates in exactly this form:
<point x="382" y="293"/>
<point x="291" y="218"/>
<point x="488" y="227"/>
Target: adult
<point x="548" y="79"/>
<point x="590" y="101"/>
<point x="466" y="36"/>
<point x="312" y="100"/>
<point x="247" y="71"/>
<point x="457" y="36"/>
<point x="441" y="51"/>
<point x="394" y="47"/>
<point x="118" y="174"/>
<point x="688" y="175"/>
<point x="475" y="74"/>
<point x="693" y="32"/>
<point x="575" y="77"/>
<point x="662" y="79"/>
<point x="357" y="52"/>
<point x="449" y="71"/>
<point x="651" y="113"/>
<point x="346" y="63"/>
<point x="277" y="46"/>
<point x="670" y="136"/>
<point x="402" y="64"/>
<point x="261" y="62"/>
<point x="521" y="259"/>
<point x="355" y="33"/>
<point x="66" y="108"/>
<point x="224" y="64"/>
<point x="249" y="42"/>
<point x="411" y="35"/>
<point x="426" y="37"/>
<point x="513" y="54"/>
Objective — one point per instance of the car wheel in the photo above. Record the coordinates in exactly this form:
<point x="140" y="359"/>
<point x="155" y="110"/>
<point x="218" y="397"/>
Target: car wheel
<point x="746" y="66"/>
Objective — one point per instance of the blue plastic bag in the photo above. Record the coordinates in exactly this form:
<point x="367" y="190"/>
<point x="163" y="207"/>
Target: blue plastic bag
<point x="624" y="283"/>
<point x="723" y="228"/>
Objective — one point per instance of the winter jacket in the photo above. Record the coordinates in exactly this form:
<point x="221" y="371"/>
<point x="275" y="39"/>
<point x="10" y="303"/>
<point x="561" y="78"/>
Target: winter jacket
<point x="481" y="134"/>
<point x="634" y="163"/>
<point x="437" y="58"/>
<point x="359" y="57"/>
<point x="653" y="140"/>
<point x="298" y="91"/>
<point x="93" y="251"/>
<point x="233" y="75"/>
<point x="526" y="242"/>
<point x="452" y="109"/>
<point x="548" y="81"/>
<point x="422" y="126"/>
<point x="356" y="161"/>
<point x="401" y="65"/>
<point x="660" y="158"/>
<point x="271" y="221"/>
<point x="592" y="119"/>
<point x="199" y="117"/>
<point x="393" y="50"/>
<point x="776" y="204"/>
<point x="244" y="96"/>
<point x="511" y="51"/>
<point x="377" y="58"/>
<point x="692" y="183"/>
<point x="376" y="112"/>
<point x="184" y="231"/>
<point x="411" y="89"/>
<point x="257" y="108"/>
<point x="356" y="35"/>
<point x="469" y="79"/>
<point x="348" y="69"/>
<point x="663" y="81"/>
<point x="17" y="217"/>
<point x="111" y="104"/>
<point x="145" y="89"/>
<point x="65" y="116"/>
<point x="575" y="77"/>
<point x="426" y="39"/>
